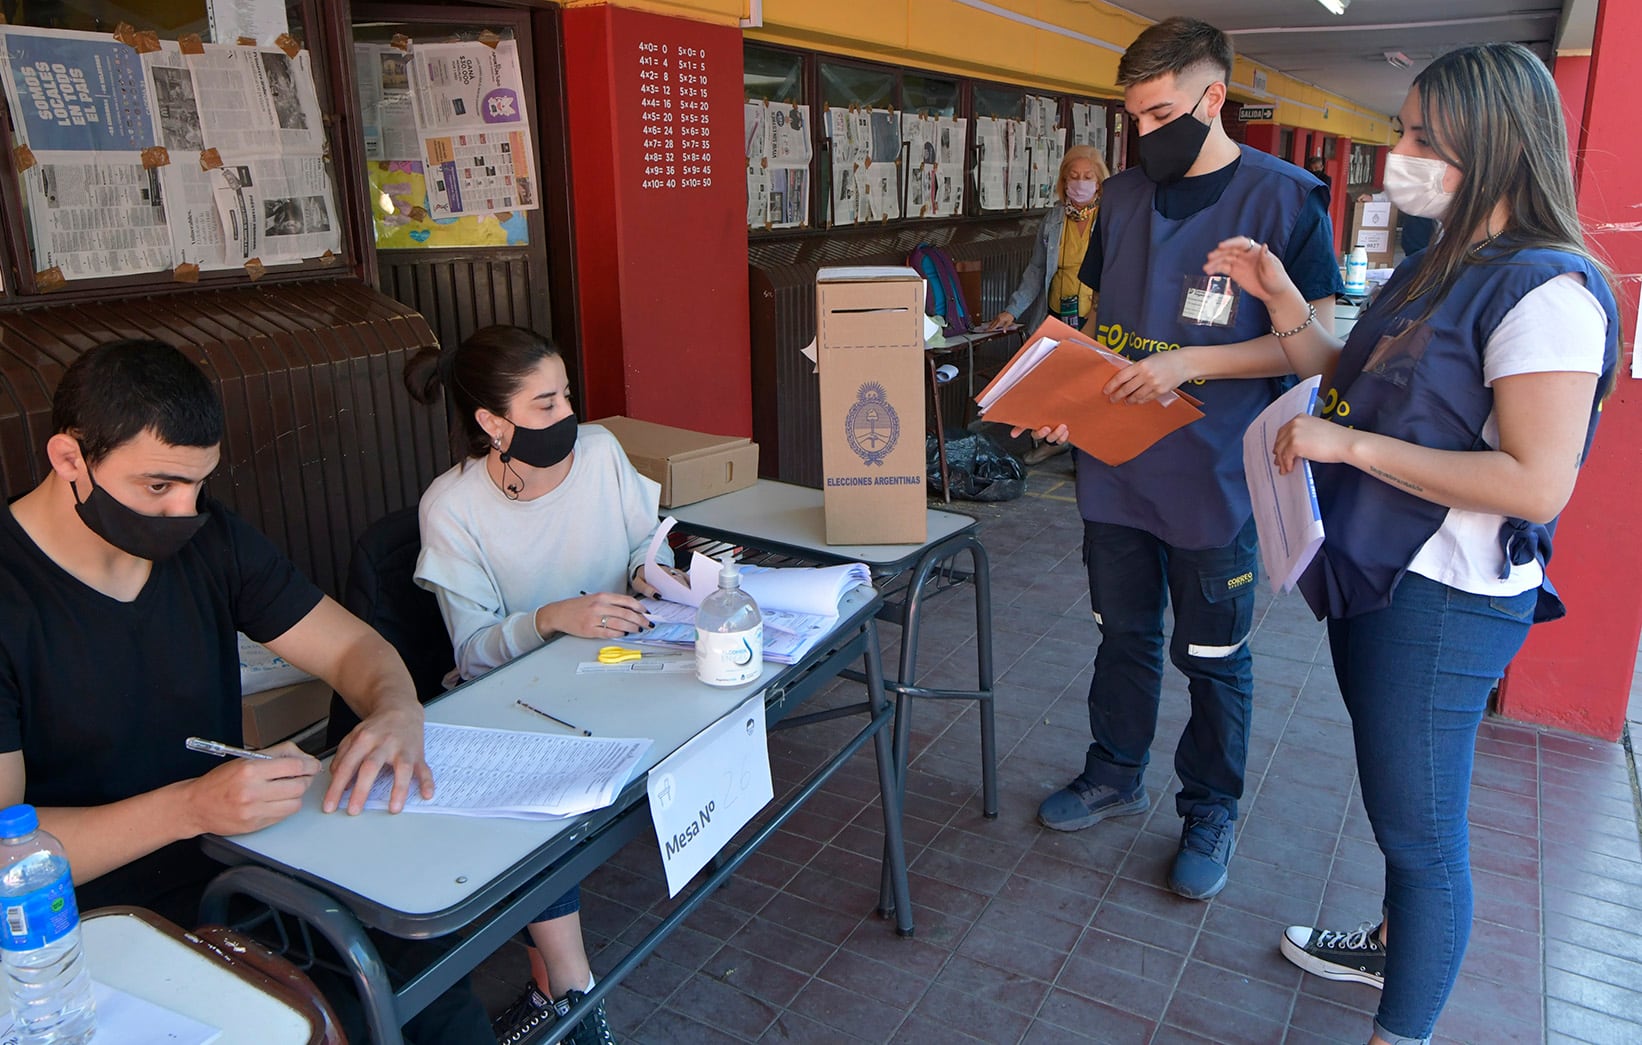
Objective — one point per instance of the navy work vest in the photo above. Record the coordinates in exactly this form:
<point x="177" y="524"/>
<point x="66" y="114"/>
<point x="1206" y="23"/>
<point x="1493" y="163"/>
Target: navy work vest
<point x="1422" y="382"/>
<point x="1188" y="488"/>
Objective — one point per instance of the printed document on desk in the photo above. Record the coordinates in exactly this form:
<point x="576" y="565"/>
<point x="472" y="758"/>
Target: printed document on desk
<point x="508" y="773"/>
<point x="787" y="635"/>
<point x="1286" y="513"/>
<point x="1059" y="376"/>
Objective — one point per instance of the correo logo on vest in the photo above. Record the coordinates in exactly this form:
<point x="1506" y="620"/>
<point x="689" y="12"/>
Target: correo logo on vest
<point x="1113" y="336"/>
<point x="872" y="426"/>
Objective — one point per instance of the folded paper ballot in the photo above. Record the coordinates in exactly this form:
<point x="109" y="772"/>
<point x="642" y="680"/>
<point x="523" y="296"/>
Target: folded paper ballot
<point x="798" y="589"/>
<point x="1058" y="377"/>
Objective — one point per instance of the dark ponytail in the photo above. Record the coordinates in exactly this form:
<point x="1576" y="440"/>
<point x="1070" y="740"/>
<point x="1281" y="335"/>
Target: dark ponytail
<point x="484" y="371"/>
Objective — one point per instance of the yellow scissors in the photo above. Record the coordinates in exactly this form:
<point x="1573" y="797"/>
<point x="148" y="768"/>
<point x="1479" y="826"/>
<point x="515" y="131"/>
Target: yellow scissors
<point x="618" y="654"/>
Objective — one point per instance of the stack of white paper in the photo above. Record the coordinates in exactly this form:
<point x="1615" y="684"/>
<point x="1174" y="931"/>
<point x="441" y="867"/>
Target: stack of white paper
<point x="528" y="776"/>
<point x="1286" y="514"/>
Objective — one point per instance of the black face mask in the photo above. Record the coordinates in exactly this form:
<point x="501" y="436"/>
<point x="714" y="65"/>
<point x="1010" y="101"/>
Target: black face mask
<point x="151" y="537"/>
<point x="542" y="447"/>
<point x="1169" y="151"/>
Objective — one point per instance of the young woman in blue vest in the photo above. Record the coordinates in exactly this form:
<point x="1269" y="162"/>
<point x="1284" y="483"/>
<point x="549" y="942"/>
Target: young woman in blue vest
<point x="1453" y="425"/>
<point x="1050" y="284"/>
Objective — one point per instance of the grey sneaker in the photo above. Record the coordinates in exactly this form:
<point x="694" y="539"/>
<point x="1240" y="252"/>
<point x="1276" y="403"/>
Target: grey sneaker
<point x="594" y="1029"/>
<point x="1206" y="842"/>
<point x="1081" y="804"/>
<point x="1357" y="956"/>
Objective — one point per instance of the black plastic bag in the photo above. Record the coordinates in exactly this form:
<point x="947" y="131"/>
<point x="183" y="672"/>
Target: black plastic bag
<point x="978" y="468"/>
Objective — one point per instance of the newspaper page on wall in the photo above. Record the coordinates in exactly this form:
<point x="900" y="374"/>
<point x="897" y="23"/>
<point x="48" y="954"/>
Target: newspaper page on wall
<point x="87" y="158"/>
<point x="260" y="20"/>
<point x="850" y="134"/>
<point x="1001" y="163"/>
<point x="196" y="233"/>
<point x="257" y="101"/>
<point x="276" y="209"/>
<point x="385" y="102"/>
<point x="469" y="103"/>
<point x="778" y="164"/>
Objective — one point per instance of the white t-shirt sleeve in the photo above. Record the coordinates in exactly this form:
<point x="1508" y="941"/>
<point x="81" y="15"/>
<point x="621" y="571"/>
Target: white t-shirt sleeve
<point x="1557" y="326"/>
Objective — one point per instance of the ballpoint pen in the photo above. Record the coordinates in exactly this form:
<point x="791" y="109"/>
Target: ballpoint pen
<point x="554" y="718"/>
<point x="221" y="750"/>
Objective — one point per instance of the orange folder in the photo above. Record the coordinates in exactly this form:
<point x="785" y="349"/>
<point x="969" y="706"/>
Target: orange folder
<point x="1065" y="388"/>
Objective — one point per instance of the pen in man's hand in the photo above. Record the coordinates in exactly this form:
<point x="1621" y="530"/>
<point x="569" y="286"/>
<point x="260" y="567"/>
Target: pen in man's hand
<point x="221" y="750"/>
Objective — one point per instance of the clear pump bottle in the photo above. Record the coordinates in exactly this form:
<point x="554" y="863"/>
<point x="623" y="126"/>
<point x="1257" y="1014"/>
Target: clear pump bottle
<point x="729" y="632"/>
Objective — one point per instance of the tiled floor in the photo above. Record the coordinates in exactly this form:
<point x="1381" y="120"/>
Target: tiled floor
<point x="1028" y="935"/>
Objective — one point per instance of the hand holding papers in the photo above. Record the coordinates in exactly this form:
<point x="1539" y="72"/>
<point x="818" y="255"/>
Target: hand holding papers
<point x="530" y="776"/>
<point x="1058" y="377"/>
<point x="1285" y="506"/>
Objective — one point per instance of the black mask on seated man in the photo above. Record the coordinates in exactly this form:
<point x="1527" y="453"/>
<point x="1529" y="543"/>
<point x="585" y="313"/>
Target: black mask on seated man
<point x="542" y="447"/>
<point x="1169" y="151"/>
<point x="151" y="537"/>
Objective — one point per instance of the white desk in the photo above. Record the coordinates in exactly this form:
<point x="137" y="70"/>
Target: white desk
<point x="145" y="957"/>
<point x="422" y="875"/>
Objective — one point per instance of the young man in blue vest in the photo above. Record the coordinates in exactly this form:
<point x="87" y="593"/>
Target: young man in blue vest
<point x="1174" y="524"/>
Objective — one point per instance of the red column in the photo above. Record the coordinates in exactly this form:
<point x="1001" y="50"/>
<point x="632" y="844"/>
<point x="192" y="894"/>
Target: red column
<point x="1572" y="74"/>
<point x="660" y="221"/>
<point x="1339" y="203"/>
<point x="1262" y="136"/>
<point x="1576" y="673"/>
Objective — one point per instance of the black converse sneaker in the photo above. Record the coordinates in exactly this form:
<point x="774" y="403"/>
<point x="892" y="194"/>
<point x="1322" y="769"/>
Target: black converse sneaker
<point x="1358" y="956"/>
<point x="525" y="1017"/>
<point x="594" y="1029"/>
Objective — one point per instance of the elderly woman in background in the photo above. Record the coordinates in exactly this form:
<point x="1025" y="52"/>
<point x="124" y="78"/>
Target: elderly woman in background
<point x="1050" y="284"/>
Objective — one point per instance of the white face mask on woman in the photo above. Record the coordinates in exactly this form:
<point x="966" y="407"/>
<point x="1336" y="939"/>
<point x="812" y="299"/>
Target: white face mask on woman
<point x="1414" y="184"/>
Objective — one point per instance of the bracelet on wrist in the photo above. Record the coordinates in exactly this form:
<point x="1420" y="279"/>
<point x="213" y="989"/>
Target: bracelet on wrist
<point x="1311" y="317"/>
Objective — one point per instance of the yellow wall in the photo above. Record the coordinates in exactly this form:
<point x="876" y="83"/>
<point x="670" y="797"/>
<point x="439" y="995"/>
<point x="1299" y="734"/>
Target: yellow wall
<point x="946" y="36"/>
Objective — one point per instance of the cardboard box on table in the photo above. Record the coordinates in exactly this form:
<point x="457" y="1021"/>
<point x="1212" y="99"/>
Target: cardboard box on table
<point x="1374" y="225"/>
<point x="870" y="356"/>
<point x="690" y="466"/>
<point x="284" y="711"/>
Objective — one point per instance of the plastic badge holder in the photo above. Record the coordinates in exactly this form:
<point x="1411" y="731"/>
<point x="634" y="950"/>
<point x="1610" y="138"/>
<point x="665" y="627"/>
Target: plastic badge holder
<point x="1208" y="301"/>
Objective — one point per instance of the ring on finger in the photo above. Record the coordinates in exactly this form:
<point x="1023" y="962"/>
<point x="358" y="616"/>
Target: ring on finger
<point x="1252" y="244"/>
<point x="604" y="622"/>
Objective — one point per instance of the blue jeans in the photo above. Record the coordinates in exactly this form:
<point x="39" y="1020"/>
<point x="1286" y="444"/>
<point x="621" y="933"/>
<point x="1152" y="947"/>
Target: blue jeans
<point x="1416" y="677"/>
<point x="1133" y="576"/>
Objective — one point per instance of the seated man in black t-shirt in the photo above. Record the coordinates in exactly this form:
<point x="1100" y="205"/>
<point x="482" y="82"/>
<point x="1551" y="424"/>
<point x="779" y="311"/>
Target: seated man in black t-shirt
<point x="121" y="589"/>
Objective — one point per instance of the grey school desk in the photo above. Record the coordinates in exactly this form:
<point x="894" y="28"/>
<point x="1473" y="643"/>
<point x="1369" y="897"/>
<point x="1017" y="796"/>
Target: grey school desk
<point x="787" y="520"/>
<point x="479" y="881"/>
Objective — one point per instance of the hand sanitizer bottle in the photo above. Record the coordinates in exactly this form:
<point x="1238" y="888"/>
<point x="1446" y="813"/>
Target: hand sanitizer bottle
<point x="729" y="632"/>
<point x="1357" y="271"/>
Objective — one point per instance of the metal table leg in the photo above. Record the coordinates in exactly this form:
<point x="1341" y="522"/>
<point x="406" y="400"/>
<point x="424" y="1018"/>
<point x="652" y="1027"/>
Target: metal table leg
<point x="334" y="921"/>
<point x="906" y="686"/>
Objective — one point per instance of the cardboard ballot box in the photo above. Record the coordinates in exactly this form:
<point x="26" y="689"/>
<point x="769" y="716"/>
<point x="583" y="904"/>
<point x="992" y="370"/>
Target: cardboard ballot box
<point x="690" y="466"/>
<point x="870" y="355"/>
<point x="1374" y="225"/>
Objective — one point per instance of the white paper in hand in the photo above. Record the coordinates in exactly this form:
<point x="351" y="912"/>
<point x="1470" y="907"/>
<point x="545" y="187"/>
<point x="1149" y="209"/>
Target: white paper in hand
<point x="1286" y="514"/>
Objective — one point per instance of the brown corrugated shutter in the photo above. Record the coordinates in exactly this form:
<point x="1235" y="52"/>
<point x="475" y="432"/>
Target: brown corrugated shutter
<point x="322" y="438"/>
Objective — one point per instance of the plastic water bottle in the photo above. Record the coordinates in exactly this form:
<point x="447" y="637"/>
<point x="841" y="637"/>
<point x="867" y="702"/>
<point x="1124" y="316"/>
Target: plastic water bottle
<point x="46" y="976"/>
<point x="729" y="632"/>
<point x="1357" y="271"/>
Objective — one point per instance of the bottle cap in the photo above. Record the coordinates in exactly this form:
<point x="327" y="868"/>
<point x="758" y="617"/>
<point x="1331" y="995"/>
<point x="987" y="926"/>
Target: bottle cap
<point x="18" y="820"/>
<point x="729" y="571"/>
